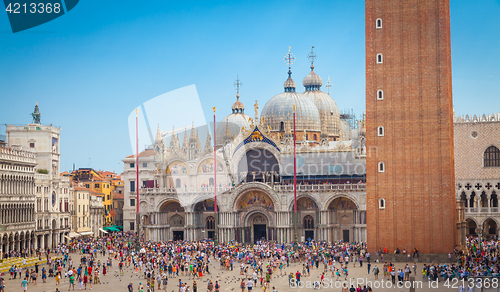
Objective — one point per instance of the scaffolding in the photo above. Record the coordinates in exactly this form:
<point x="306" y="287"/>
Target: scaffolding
<point x="350" y="118"/>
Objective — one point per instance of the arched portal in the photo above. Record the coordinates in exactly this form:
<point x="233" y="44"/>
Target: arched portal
<point x="258" y="165"/>
<point x="490" y="228"/>
<point x="471" y="227"/>
<point x="210" y="226"/>
<point x="204" y="217"/>
<point x="172" y="214"/>
<point x="255" y="212"/>
<point x="343" y="216"/>
<point x="258" y="224"/>
<point x="307" y="210"/>
<point x="308" y="227"/>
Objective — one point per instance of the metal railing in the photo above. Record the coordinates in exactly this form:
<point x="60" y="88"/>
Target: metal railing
<point x="277" y="188"/>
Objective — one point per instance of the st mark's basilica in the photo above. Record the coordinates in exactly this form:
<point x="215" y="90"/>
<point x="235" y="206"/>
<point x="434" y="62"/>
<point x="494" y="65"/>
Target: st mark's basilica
<point x="254" y="181"/>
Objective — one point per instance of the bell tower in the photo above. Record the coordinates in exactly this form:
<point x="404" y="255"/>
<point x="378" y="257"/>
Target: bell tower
<point x="409" y="126"/>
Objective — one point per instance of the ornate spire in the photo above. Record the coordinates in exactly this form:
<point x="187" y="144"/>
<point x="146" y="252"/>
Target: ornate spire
<point x="256" y="108"/>
<point x="174" y="140"/>
<point x="192" y="137"/>
<point x="185" y="143"/>
<point x="227" y="133"/>
<point x="289" y="83"/>
<point x="158" y="134"/>
<point x="198" y="143"/>
<point x="208" y="145"/>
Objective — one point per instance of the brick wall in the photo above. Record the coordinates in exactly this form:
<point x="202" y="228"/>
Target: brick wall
<point x="417" y="115"/>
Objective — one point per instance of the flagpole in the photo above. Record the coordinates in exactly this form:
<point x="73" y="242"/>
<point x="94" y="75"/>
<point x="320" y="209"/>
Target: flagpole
<point x="216" y="235"/>
<point x="294" y="184"/>
<point x="137" y="217"/>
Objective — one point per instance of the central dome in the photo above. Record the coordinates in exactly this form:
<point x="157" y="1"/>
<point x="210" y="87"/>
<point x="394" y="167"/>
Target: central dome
<point x="278" y="111"/>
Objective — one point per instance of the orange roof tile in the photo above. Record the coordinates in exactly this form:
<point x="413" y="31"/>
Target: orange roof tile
<point x="118" y="196"/>
<point x="145" y="153"/>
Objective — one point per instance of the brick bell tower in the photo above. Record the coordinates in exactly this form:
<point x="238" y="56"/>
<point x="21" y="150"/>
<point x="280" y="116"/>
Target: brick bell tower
<point x="409" y="114"/>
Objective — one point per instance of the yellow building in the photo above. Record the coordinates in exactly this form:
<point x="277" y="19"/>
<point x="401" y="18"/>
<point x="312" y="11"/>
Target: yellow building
<point x="104" y="182"/>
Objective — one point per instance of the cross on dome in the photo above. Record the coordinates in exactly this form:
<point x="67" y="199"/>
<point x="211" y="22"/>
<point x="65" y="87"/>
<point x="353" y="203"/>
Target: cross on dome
<point x="237" y="84"/>
<point x="328" y="85"/>
<point x="289" y="58"/>
<point x="312" y="57"/>
<point x="238" y="107"/>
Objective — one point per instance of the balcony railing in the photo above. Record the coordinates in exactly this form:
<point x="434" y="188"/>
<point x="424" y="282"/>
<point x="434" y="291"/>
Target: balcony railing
<point x="277" y="188"/>
<point x="322" y="187"/>
<point x="482" y="210"/>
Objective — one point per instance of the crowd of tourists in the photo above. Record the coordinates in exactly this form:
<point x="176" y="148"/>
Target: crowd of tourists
<point x="87" y="262"/>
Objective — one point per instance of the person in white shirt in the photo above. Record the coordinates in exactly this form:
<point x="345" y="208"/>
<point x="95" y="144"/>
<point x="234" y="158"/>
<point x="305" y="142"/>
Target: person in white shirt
<point x="249" y="285"/>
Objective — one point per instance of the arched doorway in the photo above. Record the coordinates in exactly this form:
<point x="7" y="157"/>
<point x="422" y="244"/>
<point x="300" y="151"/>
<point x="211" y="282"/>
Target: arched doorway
<point x="204" y="218"/>
<point x="309" y="227"/>
<point x="471" y="227"/>
<point x="173" y="213"/>
<point x="255" y="208"/>
<point x="210" y="227"/>
<point x="343" y="213"/>
<point x="259" y="226"/>
<point x="177" y="221"/>
<point x="490" y="228"/>
<point x="307" y="212"/>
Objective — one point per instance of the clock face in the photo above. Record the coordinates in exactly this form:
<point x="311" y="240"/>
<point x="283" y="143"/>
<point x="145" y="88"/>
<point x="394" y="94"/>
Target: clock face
<point x="53" y="198"/>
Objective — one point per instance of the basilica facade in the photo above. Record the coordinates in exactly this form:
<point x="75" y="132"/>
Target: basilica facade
<point x="253" y="174"/>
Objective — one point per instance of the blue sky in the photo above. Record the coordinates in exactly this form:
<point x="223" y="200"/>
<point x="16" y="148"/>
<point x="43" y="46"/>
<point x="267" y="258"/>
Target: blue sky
<point x="90" y="68"/>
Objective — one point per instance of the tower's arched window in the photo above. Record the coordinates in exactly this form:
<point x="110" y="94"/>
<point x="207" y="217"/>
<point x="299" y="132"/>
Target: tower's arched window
<point x="380" y="131"/>
<point x="492" y="157"/>
<point x="378" y="23"/>
<point x="381" y="203"/>
<point x="380" y="94"/>
<point x="314" y="137"/>
<point x="380" y="59"/>
<point x="282" y="126"/>
<point x="381" y="167"/>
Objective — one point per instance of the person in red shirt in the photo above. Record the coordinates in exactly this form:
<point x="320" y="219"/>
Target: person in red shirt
<point x="297" y="276"/>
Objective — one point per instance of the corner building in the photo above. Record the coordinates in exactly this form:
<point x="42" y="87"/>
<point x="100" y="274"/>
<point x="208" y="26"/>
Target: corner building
<point x="409" y="130"/>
